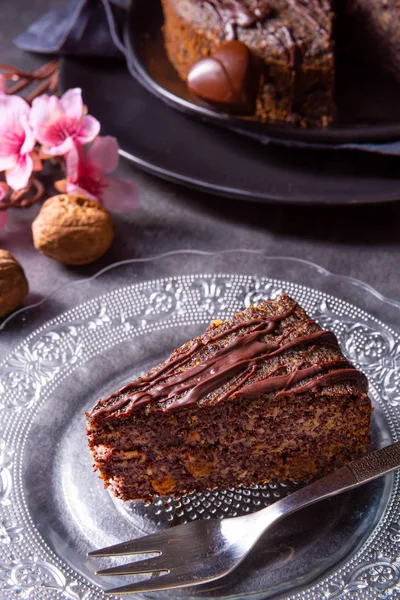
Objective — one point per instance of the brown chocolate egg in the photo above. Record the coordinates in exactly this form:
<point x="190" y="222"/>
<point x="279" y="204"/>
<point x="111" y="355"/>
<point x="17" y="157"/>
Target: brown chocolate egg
<point x="228" y="80"/>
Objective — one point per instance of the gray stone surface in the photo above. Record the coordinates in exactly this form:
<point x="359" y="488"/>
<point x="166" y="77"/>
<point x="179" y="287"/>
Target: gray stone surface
<point x="360" y="241"/>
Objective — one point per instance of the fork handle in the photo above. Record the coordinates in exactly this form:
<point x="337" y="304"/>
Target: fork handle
<point x="360" y="471"/>
<point x="376" y="463"/>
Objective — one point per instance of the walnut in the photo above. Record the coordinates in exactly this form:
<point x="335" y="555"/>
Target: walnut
<point x="72" y="229"/>
<point x="13" y="284"/>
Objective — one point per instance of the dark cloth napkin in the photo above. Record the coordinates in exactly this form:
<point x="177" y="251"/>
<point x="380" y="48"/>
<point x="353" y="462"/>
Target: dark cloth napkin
<point x="80" y="27"/>
<point x="94" y="28"/>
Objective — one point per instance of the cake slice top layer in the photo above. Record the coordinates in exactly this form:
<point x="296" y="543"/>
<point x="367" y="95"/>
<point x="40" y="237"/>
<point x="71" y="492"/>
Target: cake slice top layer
<point x="288" y="30"/>
<point x="246" y="13"/>
<point x="270" y="350"/>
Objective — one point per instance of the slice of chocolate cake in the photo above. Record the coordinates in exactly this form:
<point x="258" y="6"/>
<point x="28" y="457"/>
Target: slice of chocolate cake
<point x="291" y="39"/>
<point x="265" y="396"/>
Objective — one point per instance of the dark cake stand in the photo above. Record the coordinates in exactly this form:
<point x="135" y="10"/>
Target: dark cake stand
<point x="368" y="109"/>
<point x="141" y="111"/>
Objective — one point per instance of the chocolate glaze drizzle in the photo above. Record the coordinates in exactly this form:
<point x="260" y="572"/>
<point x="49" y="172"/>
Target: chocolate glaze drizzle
<point x="236" y="363"/>
<point x="233" y="13"/>
<point x="303" y="9"/>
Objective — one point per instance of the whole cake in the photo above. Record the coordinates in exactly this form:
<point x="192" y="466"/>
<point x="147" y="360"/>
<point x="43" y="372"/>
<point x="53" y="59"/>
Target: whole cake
<point x="290" y="39"/>
<point x="266" y="395"/>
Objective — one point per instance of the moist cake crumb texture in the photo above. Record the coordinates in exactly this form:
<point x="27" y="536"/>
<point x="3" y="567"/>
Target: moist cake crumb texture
<point x="264" y="396"/>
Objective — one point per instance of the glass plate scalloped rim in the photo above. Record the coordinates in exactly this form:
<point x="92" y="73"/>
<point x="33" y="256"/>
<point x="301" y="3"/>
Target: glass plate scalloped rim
<point x="27" y="565"/>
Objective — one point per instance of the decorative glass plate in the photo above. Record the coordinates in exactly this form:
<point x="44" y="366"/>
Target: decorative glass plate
<point x="61" y="355"/>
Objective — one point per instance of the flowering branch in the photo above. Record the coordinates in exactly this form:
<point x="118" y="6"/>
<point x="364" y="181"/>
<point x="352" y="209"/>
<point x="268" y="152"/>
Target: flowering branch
<point x="22" y="198"/>
<point x="37" y="129"/>
<point x="43" y="79"/>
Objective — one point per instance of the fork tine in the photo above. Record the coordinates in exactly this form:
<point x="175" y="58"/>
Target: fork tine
<point x="156" y="542"/>
<point x="164" y="582"/>
<point x="142" y="545"/>
<point x="134" y="568"/>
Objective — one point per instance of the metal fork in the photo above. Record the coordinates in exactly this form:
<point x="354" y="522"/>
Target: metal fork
<point x="202" y="551"/>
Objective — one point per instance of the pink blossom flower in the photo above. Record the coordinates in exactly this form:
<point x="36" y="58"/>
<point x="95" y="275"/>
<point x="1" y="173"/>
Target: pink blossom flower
<point x="17" y="141"/>
<point x="61" y="123"/>
<point x="86" y="175"/>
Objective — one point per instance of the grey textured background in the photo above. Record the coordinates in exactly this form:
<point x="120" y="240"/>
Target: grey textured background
<point x="359" y="241"/>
